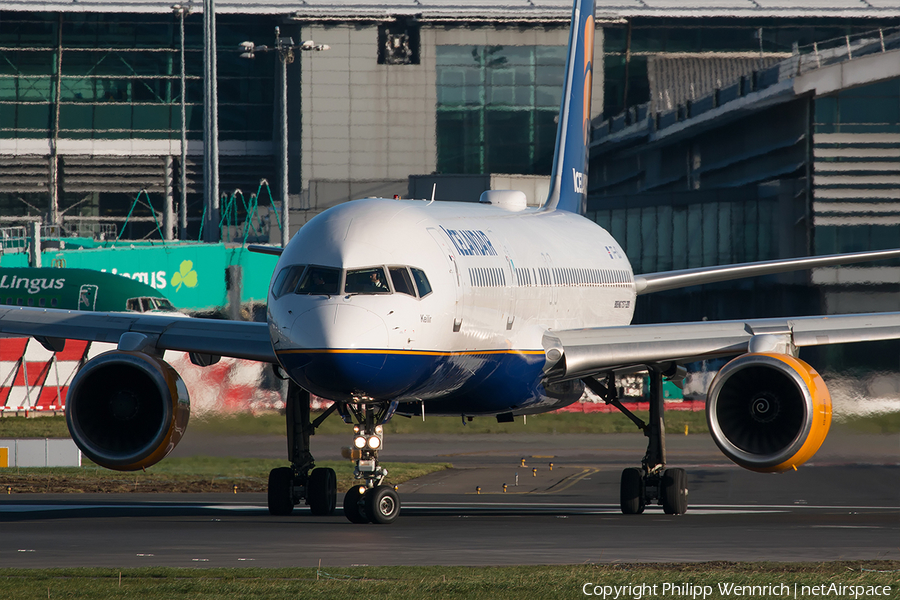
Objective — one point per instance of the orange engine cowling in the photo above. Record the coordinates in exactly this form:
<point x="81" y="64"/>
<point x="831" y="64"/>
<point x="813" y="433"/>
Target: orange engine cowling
<point x="127" y="410"/>
<point x="768" y="412"/>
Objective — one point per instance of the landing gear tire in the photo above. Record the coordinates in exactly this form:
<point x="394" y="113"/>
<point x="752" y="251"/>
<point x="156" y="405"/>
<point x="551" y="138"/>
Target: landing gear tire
<point x="321" y="492"/>
<point x="631" y="492"/>
<point x="674" y="491"/>
<point x="281" y="491"/>
<point x="353" y="508"/>
<point x="382" y="504"/>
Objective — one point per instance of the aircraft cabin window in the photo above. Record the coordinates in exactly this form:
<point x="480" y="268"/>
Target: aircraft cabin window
<point x="53" y="302"/>
<point x="42" y="302"/>
<point x="402" y="281"/>
<point x="421" y="282"/>
<point x="366" y="281"/>
<point x="317" y="280"/>
<point x="287" y="280"/>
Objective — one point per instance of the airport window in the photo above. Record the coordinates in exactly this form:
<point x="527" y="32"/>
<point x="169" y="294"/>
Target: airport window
<point x="421" y="280"/>
<point x="318" y="280"/>
<point x="401" y="280"/>
<point x="496" y="107"/>
<point x="366" y="281"/>
<point x="120" y="76"/>
<point x="398" y="43"/>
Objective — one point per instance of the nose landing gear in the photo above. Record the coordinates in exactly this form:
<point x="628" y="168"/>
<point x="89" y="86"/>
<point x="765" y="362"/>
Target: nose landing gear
<point x="370" y="501"/>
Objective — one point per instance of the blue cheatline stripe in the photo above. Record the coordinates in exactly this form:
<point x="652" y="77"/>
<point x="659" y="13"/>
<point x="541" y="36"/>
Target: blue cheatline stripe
<point x="452" y="383"/>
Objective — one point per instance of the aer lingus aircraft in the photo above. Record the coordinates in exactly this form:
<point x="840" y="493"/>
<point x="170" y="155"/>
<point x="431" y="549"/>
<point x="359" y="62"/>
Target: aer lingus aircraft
<point x="407" y="306"/>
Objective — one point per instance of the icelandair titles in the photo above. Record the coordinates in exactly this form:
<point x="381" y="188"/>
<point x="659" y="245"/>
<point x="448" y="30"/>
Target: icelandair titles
<point x="471" y="242"/>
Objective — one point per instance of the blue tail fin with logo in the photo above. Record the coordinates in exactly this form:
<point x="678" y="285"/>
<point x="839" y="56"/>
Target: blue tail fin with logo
<point x="568" y="181"/>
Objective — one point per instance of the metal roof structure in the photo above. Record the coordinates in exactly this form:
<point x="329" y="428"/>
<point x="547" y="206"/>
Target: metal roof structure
<point x="483" y="10"/>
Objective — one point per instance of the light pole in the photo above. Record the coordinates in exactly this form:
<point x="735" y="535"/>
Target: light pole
<point x="183" y="11"/>
<point x="284" y="47"/>
<point x="210" y="126"/>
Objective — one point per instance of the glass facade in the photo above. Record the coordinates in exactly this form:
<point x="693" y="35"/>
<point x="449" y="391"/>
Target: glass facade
<point x="496" y="108"/>
<point x="627" y="47"/>
<point x="684" y="231"/>
<point x="857" y="169"/>
<point x="119" y="77"/>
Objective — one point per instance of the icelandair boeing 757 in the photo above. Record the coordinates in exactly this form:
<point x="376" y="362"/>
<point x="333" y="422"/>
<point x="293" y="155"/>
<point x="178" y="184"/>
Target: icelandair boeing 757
<point x="397" y="307"/>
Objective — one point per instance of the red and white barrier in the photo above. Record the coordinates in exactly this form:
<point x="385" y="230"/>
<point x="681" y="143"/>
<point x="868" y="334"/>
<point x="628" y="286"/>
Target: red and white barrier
<point x="34" y="379"/>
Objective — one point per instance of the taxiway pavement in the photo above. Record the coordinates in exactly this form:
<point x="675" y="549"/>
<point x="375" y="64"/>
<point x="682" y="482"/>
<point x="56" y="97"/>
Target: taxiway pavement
<point x="844" y="505"/>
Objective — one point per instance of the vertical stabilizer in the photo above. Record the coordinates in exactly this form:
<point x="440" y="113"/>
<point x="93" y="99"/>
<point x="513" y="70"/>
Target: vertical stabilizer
<point x="568" y="181"/>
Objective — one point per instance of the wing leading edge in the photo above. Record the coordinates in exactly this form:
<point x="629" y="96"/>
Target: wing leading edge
<point x="236" y="339"/>
<point x="576" y="353"/>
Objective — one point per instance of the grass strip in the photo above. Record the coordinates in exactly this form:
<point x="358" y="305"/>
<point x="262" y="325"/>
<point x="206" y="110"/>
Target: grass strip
<point x="184" y="475"/>
<point x="552" y="423"/>
<point x="274" y="424"/>
<point x="697" y="580"/>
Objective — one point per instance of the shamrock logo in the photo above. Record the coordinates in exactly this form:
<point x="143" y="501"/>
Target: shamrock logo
<point x="186" y="275"/>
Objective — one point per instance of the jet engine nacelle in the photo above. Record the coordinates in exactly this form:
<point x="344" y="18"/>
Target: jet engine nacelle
<point x="127" y="410"/>
<point x="768" y="412"/>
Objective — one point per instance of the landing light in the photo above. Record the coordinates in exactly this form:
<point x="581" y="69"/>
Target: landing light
<point x="379" y="429"/>
<point x="359" y="442"/>
<point x="374" y="442"/>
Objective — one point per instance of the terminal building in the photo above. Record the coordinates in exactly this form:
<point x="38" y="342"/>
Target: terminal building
<point x="718" y="135"/>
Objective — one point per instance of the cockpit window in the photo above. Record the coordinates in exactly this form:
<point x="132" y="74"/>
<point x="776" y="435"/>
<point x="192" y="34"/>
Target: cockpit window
<point x="366" y="281"/>
<point x="421" y="282"/>
<point x="287" y="280"/>
<point x="320" y="280"/>
<point x="401" y="280"/>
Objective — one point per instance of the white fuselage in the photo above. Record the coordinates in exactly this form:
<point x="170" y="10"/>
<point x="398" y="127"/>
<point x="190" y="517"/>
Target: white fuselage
<point x="499" y="279"/>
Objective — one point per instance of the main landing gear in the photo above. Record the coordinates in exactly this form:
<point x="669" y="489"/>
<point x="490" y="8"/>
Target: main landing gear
<point x="370" y="501"/>
<point x="289" y="485"/>
<point x="652" y="482"/>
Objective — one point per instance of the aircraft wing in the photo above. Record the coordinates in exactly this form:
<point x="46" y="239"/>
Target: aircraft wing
<point x="576" y="353"/>
<point x="670" y="280"/>
<point x="237" y="339"/>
